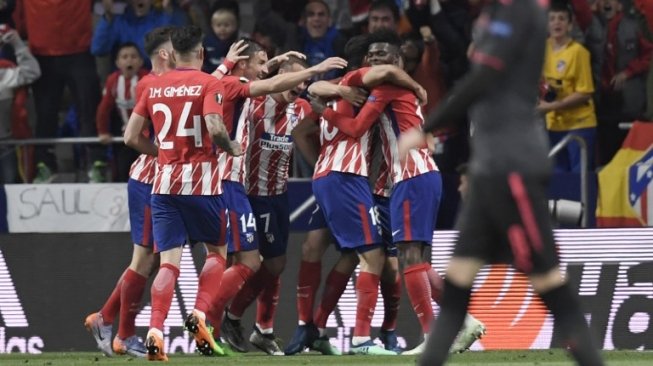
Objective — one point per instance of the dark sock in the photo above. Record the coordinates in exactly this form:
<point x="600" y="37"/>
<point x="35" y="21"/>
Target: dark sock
<point x="568" y="317"/>
<point x="453" y="307"/>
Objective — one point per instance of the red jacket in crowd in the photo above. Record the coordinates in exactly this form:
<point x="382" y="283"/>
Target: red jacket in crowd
<point x="55" y="27"/>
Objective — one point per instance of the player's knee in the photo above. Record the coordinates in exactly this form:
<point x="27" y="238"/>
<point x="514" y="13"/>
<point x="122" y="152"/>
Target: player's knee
<point x="250" y="259"/>
<point x="275" y="266"/>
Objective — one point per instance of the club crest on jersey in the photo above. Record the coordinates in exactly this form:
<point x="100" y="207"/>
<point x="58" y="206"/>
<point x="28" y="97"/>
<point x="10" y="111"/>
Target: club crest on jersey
<point x="561" y="65"/>
<point x="269" y="237"/>
<point x="640" y="187"/>
<point x="218" y="98"/>
<point x="249" y="237"/>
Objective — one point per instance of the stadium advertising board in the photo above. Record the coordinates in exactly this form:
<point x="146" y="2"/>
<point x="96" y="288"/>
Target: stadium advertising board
<point x="50" y="282"/>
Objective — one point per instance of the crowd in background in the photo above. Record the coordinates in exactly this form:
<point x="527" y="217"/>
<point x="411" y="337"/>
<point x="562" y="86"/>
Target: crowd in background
<point x="86" y="57"/>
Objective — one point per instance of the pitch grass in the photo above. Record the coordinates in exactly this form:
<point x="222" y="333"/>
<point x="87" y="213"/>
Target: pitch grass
<point x="509" y="358"/>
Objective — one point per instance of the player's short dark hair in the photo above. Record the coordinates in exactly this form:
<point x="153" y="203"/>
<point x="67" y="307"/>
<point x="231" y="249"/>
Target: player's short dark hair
<point x="253" y="47"/>
<point x="185" y="39"/>
<point x="562" y="6"/>
<point x="294" y="60"/>
<point x="386" y="4"/>
<point x="385" y="36"/>
<point x="124" y="45"/>
<point x="155" y="38"/>
<point x="356" y="50"/>
<point x="226" y="5"/>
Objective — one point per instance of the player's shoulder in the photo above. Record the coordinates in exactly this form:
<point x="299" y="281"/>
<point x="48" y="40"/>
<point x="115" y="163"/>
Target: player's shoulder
<point x="233" y="79"/>
<point x="302" y="103"/>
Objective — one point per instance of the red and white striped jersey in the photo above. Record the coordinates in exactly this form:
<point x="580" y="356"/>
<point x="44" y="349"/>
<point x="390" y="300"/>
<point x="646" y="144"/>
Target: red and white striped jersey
<point x="237" y="107"/>
<point x="177" y="103"/>
<point x="400" y="112"/>
<point x="340" y="152"/>
<point x="272" y="145"/>
<point x="144" y="167"/>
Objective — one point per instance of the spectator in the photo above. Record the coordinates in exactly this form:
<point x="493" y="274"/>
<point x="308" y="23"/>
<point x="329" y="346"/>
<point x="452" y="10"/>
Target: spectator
<point x="270" y="33"/>
<point x="450" y="23"/>
<point x="6" y="10"/>
<point x="646" y="10"/>
<point x="13" y="114"/>
<point x="224" y="32"/>
<point x="118" y="100"/>
<point x="139" y="18"/>
<point x="384" y="14"/>
<point x="318" y="39"/>
<point x="568" y="103"/>
<point x="59" y="35"/>
<point x="623" y="55"/>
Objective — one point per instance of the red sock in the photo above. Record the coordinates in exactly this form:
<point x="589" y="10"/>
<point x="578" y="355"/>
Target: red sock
<point x="437" y="284"/>
<point x="133" y="285"/>
<point x="367" y="291"/>
<point x="246" y="296"/>
<point x="112" y="306"/>
<point x="335" y="285"/>
<point x="307" y="285"/>
<point x="419" y="293"/>
<point x="232" y="281"/>
<point x="391" y="292"/>
<point x="266" y="306"/>
<point x="209" y="282"/>
<point x="163" y="288"/>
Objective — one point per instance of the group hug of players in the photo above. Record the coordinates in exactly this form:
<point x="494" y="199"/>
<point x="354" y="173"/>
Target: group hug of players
<point x="216" y="150"/>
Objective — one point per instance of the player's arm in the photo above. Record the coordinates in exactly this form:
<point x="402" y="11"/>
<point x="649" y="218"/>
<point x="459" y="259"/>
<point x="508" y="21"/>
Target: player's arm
<point x="135" y="139"/>
<point x="220" y="135"/>
<point x="493" y="53"/>
<point x="392" y="74"/>
<point x="289" y="80"/>
<point x="354" y="127"/>
<point x="328" y="90"/>
<point x="304" y="136"/>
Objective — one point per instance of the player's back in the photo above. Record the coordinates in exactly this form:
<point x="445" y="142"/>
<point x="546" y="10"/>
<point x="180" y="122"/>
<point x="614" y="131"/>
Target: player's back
<point x="339" y="151"/>
<point x="177" y="102"/>
<point x="176" y="106"/>
<point x="402" y="114"/>
<point x="507" y="135"/>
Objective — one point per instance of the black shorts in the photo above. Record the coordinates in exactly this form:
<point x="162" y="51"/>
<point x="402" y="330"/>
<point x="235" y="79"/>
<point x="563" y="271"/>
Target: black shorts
<point x="506" y="219"/>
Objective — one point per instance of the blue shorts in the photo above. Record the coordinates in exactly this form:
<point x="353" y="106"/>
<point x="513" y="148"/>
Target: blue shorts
<point x="317" y="220"/>
<point x="139" y="195"/>
<point x="241" y="228"/>
<point x="272" y="223"/>
<point x="382" y="205"/>
<point x="178" y="219"/>
<point x="414" y="208"/>
<point x="348" y="207"/>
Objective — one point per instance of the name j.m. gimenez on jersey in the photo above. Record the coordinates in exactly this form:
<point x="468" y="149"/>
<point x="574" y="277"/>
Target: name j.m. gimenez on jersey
<point x="180" y="91"/>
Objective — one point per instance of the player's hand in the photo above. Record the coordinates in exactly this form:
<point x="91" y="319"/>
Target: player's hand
<point x="422" y="95"/>
<point x="331" y="63"/>
<point x="317" y="104"/>
<point x="431" y="142"/>
<point x="105" y="138"/>
<point x="234" y="54"/>
<point x="409" y="140"/>
<point x="235" y="149"/>
<point x="355" y="96"/>
<point x="619" y="80"/>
